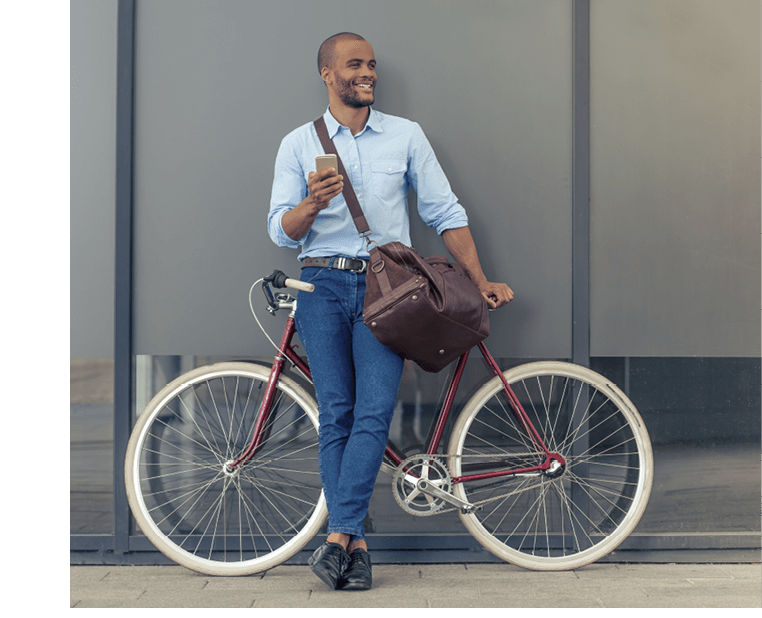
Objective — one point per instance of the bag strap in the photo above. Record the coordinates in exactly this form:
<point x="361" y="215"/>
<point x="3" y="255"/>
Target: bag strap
<point x="376" y="262"/>
<point x="349" y="193"/>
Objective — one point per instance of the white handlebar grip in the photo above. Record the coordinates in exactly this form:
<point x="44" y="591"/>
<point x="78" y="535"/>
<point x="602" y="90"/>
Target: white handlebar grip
<point x="300" y="285"/>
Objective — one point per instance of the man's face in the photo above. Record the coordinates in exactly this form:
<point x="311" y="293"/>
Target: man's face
<point x="354" y="73"/>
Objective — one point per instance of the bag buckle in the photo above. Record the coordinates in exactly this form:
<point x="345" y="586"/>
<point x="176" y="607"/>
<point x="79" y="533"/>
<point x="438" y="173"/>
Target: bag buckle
<point x="368" y="240"/>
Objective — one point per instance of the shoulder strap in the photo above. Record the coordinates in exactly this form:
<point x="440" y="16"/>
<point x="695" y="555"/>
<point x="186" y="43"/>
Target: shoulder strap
<point x="349" y="194"/>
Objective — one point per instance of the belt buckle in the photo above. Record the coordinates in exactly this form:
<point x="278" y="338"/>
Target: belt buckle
<point x="342" y="263"/>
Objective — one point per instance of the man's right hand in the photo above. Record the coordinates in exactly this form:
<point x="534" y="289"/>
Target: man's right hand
<point x="323" y="186"/>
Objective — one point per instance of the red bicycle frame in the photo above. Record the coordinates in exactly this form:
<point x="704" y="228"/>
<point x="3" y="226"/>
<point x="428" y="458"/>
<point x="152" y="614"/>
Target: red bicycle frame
<point x="286" y="351"/>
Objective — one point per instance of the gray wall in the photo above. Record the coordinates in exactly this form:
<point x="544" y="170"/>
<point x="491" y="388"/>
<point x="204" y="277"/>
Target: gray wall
<point x="92" y="169"/>
<point x="675" y="183"/>
<point x="675" y="253"/>
<point x="218" y="86"/>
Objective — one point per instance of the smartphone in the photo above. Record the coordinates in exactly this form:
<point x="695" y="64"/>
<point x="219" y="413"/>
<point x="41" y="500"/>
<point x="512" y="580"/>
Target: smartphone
<point x="323" y="161"/>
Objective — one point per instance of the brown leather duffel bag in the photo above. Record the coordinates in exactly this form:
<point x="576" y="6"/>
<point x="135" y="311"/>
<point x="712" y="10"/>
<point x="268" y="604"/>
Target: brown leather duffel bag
<point x="425" y="309"/>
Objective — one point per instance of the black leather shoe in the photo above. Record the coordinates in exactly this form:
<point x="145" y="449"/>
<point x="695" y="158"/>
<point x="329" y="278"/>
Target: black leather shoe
<point x="357" y="575"/>
<point x="328" y="562"/>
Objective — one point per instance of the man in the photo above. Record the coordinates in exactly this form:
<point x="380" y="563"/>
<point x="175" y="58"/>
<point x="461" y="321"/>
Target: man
<point x="356" y="377"/>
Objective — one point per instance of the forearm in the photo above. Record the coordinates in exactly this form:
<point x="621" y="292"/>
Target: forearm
<point x="298" y="221"/>
<point x="322" y="187"/>
<point x="461" y="246"/>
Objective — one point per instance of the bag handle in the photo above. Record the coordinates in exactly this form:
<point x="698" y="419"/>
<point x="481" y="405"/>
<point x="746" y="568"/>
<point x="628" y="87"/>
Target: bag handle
<point x="349" y="193"/>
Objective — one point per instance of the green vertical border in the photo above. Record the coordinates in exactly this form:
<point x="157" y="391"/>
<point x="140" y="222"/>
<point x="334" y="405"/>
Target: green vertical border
<point x="35" y="224"/>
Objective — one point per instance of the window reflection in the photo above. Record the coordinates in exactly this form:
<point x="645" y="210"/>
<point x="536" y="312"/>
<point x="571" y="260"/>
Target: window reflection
<point x="702" y="415"/>
<point x="91" y="446"/>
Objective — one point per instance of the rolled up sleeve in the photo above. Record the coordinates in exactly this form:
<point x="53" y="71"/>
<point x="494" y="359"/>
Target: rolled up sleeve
<point x="289" y="189"/>
<point x="437" y="204"/>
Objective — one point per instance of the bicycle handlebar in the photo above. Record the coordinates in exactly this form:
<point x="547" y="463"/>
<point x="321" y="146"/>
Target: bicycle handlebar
<point x="279" y="280"/>
<point x="300" y="285"/>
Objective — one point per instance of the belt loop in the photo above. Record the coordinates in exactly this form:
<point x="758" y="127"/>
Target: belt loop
<point x="331" y="262"/>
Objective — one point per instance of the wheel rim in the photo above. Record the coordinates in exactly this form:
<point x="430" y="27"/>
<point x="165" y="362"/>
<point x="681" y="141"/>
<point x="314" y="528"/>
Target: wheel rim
<point x="588" y="509"/>
<point x="198" y="510"/>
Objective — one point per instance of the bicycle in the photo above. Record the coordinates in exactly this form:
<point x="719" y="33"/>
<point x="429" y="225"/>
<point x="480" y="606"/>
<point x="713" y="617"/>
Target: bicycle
<point x="549" y="464"/>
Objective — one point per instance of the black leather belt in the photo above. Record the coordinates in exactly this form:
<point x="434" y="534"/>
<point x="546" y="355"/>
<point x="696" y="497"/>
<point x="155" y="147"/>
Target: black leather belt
<point x="340" y="263"/>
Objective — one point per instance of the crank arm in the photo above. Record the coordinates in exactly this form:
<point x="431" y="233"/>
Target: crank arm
<point x="432" y="490"/>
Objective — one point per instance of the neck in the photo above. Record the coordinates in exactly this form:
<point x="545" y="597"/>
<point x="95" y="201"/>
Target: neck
<point x="353" y="117"/>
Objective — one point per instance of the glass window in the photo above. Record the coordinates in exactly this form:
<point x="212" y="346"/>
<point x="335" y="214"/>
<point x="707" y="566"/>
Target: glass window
<point x="702" y="415"/>
<point x="91" y="446"/>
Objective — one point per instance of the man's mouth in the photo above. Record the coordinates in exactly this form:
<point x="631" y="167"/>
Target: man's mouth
<point x="365" y="86"/>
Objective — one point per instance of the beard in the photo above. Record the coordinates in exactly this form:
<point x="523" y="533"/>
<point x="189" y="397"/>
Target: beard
<point x="349" y="96"/>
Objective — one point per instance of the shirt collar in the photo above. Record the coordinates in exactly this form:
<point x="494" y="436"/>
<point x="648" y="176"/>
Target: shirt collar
<point x="374" y="122"/>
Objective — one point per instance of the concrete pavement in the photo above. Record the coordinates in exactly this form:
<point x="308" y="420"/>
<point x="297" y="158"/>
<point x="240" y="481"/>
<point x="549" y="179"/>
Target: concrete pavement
<point x="429" y="585"/>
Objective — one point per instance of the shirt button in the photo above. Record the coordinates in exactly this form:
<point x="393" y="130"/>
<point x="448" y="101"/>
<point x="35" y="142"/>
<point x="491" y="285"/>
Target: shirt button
<point x="355" y="167"/>
<point x="389" y="169"/>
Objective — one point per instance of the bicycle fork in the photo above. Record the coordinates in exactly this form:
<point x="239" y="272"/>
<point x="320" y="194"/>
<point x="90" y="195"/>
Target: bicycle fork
<point x="285" y="352"/>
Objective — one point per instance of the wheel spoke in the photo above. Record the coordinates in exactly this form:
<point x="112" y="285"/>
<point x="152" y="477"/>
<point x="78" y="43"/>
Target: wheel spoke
<point x="210" y="517"/>
<point x="591" y="504"/>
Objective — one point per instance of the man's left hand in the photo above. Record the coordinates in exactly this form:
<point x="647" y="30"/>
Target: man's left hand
<point x="497" y="294"/>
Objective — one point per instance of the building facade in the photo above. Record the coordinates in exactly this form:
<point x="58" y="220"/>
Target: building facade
<point x="607" y="153"/>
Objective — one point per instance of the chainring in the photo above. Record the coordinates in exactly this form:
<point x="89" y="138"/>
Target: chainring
<point x="408" y="496"/>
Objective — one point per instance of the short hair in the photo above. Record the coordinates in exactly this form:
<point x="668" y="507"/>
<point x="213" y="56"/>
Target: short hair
<point x="327" y="52"/>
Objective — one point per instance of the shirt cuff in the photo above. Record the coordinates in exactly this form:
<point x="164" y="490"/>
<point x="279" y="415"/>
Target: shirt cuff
<point x="452" y="222"/>
<point x="280" y="237"/>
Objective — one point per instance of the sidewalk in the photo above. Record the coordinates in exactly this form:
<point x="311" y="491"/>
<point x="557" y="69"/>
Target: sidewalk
<point x="429" y="585"/>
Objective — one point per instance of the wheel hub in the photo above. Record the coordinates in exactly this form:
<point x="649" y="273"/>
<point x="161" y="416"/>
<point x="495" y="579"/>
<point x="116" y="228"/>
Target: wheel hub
<point x="229" y="469"/>
<point x="556" y="469"/>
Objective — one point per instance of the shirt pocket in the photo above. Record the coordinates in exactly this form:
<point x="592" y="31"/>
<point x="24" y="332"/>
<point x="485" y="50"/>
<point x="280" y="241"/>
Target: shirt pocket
<point x="388" y="179"/>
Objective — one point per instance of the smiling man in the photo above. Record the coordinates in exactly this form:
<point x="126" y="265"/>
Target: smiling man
<point x="356" y="378"/>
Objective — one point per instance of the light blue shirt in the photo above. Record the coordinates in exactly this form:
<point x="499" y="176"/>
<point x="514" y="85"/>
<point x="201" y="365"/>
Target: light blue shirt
<point x="389" y="155"/>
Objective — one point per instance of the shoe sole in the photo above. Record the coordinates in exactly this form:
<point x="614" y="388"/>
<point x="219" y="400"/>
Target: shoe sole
<point x="353" y="587"/>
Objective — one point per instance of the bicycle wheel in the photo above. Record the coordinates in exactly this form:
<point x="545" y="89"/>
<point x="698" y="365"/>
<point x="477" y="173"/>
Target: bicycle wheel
<point x="570" y="518"/>
<point x="202" y="515"/>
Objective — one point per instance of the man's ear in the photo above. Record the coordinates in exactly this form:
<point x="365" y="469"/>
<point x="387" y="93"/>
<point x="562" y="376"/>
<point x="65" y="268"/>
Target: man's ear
<point x="326" y="75"/>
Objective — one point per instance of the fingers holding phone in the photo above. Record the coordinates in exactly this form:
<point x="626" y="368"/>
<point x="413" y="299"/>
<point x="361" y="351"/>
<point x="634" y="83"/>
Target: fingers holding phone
<point x="326" y="183"/>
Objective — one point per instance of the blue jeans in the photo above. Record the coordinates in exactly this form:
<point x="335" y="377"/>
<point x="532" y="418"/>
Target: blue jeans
<point x="356" y="381"/>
